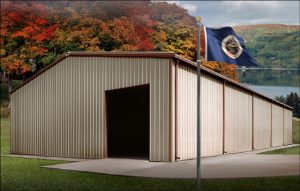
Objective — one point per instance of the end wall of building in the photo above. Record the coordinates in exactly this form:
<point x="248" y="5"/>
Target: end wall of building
<point x="62" y="111"/>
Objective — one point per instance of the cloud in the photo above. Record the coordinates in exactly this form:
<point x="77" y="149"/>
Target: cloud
<point x="243" y="4"/>
<point x="261" y="21"/>
<point x="191" y="7"/>
<point x="230" y="13"/>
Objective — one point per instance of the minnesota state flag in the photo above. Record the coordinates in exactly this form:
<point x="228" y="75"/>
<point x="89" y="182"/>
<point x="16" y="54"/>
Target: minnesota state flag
<point x="224" y="45"/>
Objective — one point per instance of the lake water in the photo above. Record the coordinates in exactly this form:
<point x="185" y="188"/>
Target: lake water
<point x="273" y="91"/>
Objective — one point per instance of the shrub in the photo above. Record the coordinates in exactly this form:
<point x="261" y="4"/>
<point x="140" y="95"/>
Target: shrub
<point x="4" y="111"/>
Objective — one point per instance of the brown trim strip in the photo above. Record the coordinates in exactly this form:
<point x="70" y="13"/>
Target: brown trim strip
<point x="271" y="139"/>
<point x="105" y="146"/>
<point x="135" y="54"/>
<point x="122" y="88"/>
<point x="283" y="126"/>
<point x="170" y="110"/>
<point x="224" y="103"/>
<point x="253" y="148"/>
<point x="176" y="111"/>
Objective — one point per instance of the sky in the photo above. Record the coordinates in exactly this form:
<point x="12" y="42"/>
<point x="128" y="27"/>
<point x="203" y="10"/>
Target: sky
<point x="231" y="13"/>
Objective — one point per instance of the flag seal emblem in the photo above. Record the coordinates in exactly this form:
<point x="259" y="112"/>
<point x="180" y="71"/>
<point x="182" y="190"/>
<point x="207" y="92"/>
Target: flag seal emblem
<point x="232" y="47"/>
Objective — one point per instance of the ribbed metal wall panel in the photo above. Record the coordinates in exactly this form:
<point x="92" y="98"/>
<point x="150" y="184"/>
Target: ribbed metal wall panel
<point x="211" y="111"/>
<point x="288" y="127"/>
<point x="186" y="112"/>
<point x="238" y="120"/>
<point x="62" y="112"/>
<point x="212" y="116"/>
<point x="277" y="125"/>
<point x="261" y="123"/>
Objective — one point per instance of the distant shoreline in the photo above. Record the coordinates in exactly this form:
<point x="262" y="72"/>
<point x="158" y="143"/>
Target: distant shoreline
<point x="273" y="91"/>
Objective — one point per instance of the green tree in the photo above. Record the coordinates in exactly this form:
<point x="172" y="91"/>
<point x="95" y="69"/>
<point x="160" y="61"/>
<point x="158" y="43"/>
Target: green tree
<point x="280" y="98"/>
<point x="293" y="100"/>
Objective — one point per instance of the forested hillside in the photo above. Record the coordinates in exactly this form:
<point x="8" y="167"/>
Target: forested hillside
<point x="273" y="46"/>
<point x="33" y="34"/>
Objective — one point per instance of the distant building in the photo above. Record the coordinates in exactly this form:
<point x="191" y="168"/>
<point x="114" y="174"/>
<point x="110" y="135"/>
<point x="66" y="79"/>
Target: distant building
<point x="139" y="104"/>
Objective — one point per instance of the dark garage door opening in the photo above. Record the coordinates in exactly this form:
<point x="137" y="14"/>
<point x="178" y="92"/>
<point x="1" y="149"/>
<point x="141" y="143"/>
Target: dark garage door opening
<point x="128" y="122"/>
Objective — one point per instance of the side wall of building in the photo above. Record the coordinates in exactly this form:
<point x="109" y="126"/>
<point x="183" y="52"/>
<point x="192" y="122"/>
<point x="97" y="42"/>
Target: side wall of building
<point x="62" y="111"/>
<point x="233" y="120"/>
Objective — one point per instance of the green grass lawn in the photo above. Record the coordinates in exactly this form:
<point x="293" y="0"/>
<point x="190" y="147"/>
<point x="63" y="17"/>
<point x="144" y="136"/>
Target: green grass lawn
<point x="296" y="130"/>
<point x="5" y="135"/>
<point x="28" y="174"/>
<point x="289" y="151"/>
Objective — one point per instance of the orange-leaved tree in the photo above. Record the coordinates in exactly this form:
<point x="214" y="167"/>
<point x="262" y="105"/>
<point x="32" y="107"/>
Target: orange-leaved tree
<point x="25" y="30"/>
<point x="228" y="70"/>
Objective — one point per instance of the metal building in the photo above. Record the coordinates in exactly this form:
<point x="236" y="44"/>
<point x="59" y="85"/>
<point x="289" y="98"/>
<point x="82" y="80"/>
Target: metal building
<point x="139" y="104"/>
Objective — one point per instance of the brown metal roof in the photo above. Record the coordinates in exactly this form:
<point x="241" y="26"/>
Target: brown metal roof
<point x="152" y="54"/>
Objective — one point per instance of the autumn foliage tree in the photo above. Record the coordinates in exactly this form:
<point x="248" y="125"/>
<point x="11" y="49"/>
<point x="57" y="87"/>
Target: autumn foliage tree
<point x="33" y="34"/>
<point x="228" y="70"/>
<point x="25" y="32"/>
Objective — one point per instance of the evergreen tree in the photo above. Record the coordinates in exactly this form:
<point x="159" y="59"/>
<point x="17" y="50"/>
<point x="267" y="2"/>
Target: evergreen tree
<point x="293" y="100"/>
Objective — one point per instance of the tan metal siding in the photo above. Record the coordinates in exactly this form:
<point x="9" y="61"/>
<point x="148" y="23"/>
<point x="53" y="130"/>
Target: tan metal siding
<point x="186" y="116"/>
<point x="211" y="111"/>
<point x="238" y="120"/>
<point x="262" y="123"/>
<point x="212" y="116"/>
<point x="288" y="129"/>
<point x="62" y="112"/>
<point x="277" y="125"/>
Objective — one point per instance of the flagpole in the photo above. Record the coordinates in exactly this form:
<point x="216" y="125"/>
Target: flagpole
<point x="198" y="183"/>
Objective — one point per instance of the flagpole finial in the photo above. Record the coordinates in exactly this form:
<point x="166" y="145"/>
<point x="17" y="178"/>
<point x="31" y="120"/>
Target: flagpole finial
<point x="198" y="18"/>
